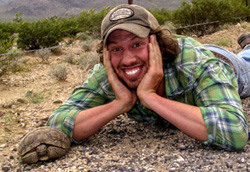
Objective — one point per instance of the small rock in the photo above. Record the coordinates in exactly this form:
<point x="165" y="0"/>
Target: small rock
<point x="58" y="102"/>
<point x="180" y="158"/>
<point x="13" y="107"/>
<point x="14" y="149"/>
<point x="21" y="100"/>
<point x="18" y="170"/>
<point x="241" y="160"/>
<point x="23" y="125"/>
<point x="6" y="169"/>
<point x="27" y="168"/>
<point x="181" y="146"/>
<point x="3" y="146"/>
<point x="8" y="105"/>
<point x="229" y="164"/>
<point x="11" y="157"/>
<point x="1" y="113"/>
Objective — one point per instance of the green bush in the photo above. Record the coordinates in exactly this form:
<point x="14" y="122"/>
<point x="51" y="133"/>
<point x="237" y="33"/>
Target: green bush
<point x="91" y="20"/>
<point x="69" y="26"/>
<point x="11" y="63"/>
<point x="40" y="34"/>
<point x="6" y="37"/>
<point x="162" y="15"/>
<point x="205" y="11"/>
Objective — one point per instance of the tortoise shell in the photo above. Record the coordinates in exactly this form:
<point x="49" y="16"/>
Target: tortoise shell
<point x="42" y="144"/>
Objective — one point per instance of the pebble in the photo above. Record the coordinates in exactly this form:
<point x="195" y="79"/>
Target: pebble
<point x="21" y="100"/>
<point x="58" y="102"/>
<point x="181" y="146"/>
<point x="229" y="164"/>
<point x="241" y="160"/>
<point x="180" y="158"/>
<point x="3" y="146"/>
<point x="5" y="169"/>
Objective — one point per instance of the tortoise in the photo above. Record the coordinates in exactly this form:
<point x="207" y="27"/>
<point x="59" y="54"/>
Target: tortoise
<point x="42" y="144"/>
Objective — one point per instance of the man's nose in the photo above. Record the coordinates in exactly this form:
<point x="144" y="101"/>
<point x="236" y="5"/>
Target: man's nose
<point x="128" y="57"/>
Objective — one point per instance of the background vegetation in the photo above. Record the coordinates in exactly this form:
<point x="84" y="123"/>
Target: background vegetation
<point x="51" y="31"/>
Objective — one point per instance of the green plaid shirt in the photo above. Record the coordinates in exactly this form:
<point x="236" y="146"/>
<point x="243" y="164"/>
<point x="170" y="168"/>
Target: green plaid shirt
<point x="196" y="78"/>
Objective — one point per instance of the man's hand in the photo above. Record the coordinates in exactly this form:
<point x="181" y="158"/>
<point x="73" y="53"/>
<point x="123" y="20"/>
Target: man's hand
<point x="154" y="76"/>
<point x="126" y="97"/>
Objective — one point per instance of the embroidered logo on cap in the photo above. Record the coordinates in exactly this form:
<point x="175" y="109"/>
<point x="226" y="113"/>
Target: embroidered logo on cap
<point x="121" y="13"/>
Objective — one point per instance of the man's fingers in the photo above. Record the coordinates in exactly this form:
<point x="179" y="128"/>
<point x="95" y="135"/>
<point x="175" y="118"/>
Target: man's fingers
<point x="155" y="58"/>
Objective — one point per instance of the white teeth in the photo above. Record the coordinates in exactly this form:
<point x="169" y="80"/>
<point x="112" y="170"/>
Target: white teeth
<point x="132" y="72"/>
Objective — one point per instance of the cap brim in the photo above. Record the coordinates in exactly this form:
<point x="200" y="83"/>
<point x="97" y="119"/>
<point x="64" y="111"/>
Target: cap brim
<point x="136" y="29"/>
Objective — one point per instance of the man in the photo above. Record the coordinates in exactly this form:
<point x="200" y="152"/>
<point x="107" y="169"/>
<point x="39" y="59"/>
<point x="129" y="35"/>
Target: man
<point x="154" y="76"/>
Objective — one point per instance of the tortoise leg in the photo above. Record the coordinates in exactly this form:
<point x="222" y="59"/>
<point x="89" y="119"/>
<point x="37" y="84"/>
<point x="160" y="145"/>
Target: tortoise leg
<point x="30" y="158"/>
<point x="55" y="152"/>
<point x="41" y="150"/>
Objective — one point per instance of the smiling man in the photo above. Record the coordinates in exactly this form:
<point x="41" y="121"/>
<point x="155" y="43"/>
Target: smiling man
<point x="155" y="76"/>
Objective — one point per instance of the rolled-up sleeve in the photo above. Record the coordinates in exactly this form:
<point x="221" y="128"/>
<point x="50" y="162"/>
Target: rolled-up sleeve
<point x="90" y="94"/>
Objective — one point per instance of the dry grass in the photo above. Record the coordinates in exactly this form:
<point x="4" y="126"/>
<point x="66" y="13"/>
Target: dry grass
<point x="44" y="54"/>
<point x="59" y="72"/>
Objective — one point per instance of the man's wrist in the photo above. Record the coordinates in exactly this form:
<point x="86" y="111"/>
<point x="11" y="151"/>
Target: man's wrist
<point x="147" y="99"/>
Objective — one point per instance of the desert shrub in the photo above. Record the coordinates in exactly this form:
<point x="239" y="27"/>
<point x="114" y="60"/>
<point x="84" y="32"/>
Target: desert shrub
<point x="34" y="97"/>
<point x="69" y="58"/>
<point x="11" y="62"/>
<point x="44" y="54"/>
<point x="87" y="45"/>
<point x="56" y="51"/>
<point x="83" y="36"/>
<point x="39" y="34"/>
<point x="59" y="72"/>
<point x="16" y="66"/>
<point x="6" y="44"/>
<point x="170" y="26"/>
<point x="87" y="60"/>
<point x="224" y="41"/>
<point x="205" y="11"/>
<point x="91" y="20"/>
<point x="162" y="15"/>
<point x="3" y="67"/>
<point x="69" y="26"/>
<point x="7" y="37"/>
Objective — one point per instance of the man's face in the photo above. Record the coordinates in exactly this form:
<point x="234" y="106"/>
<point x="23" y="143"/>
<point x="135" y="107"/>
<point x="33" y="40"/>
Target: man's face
<point x="129" y="56"/>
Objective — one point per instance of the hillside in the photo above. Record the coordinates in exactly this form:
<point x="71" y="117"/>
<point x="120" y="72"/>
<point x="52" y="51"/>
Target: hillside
<point x="4" y="1"/>
<point x="44" y="8"/>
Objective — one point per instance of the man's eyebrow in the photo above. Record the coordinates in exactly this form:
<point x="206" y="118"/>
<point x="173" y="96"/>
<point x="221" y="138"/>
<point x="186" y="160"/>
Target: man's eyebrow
<point x="113" y="42"/>
<point x="135" y="37"/>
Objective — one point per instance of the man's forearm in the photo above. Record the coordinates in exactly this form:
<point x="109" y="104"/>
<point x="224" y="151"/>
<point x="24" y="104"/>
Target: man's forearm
<point x="185" y="117"/>
<point x="91" y="120"/>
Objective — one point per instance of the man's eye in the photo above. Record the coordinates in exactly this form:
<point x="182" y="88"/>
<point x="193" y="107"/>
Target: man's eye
<point x="116" y="49"/>
<point x="137" y="44"/>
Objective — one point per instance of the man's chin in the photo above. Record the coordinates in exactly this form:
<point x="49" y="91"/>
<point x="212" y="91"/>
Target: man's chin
<point x="132" y="85"/>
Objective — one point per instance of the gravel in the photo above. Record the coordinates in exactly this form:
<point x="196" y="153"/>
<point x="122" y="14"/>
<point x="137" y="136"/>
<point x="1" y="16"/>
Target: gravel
<point x="125" y="145"/>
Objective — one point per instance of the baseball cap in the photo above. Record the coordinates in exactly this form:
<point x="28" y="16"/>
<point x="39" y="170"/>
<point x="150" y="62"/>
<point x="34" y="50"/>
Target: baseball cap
<point x="132" y="18"/>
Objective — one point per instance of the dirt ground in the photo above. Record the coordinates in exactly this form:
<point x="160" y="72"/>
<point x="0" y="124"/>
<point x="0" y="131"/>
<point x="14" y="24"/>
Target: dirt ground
<point x="20" y="113"/>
